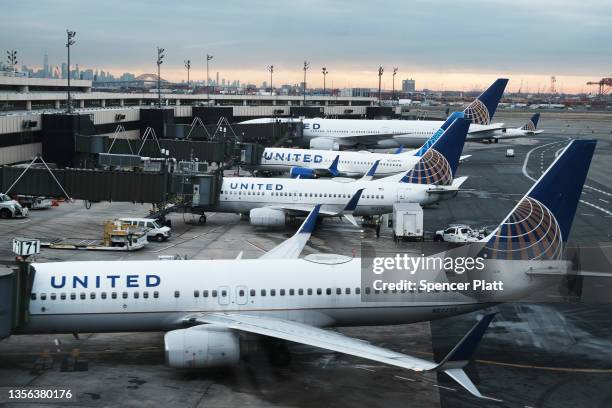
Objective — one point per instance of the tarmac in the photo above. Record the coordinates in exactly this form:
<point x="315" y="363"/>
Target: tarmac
<point x="556" y="354"/>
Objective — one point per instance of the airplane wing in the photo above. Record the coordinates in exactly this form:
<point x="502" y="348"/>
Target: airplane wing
<point x="345" y="212"/>
<point x="484" y="131"/>
<point x="448" y="190"/>
<point x="287" y="330"/>
<point x="292" y="248"/>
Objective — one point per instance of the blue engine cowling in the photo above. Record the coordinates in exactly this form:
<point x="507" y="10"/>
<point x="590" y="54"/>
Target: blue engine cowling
<point x="302" y="172"/>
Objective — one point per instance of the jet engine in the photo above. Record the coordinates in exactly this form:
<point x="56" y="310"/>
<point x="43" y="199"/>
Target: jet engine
<point x="267" y="217"/>
<point x="386" y="144"/>
<point x="302" y="172"/>
<point x="324" y="143"/>
<point x="202" y="347"/>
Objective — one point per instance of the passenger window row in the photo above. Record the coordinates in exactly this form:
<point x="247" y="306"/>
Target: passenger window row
<point x="93" y="295"/>
<point x="274" y="292"/>
<point x="317" y="195"/>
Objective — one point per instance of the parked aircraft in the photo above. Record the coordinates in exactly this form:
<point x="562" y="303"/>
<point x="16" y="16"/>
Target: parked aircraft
<point x="269" y="201"/>
<point x="528" y="129"/>
<point x="207" y="305"/>
<point x="334" y="134"/>
<point x="309" y="163"/>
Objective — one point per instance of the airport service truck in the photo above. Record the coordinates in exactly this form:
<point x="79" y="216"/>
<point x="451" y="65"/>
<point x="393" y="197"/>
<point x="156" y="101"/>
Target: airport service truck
<point x="406" y="221"/>
<point x="459" y="234"/>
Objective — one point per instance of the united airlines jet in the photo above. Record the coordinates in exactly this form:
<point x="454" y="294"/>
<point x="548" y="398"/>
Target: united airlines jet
<point x="309" y="163"/>
<point x="206" y="306"/>
<point x="528" y="129"/>
<point x="269" y="201"/>
<point x="336" y="134"/>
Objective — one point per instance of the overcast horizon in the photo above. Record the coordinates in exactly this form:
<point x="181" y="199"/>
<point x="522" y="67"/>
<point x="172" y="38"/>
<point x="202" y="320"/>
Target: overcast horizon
<point x="442" y="45"/>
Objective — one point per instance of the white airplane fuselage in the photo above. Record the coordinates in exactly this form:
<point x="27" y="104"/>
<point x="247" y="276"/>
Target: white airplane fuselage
<point x="350" y="164"/>
<point x="242" y="194"/>
<point x="105" y="296"/>
<point x="409" y="133"/>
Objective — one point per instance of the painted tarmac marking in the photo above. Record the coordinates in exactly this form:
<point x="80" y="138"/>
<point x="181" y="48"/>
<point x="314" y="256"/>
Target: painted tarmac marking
<point x="404" y="378"/>
<point x="596" y="207"/>
<point x="598" y="190"/>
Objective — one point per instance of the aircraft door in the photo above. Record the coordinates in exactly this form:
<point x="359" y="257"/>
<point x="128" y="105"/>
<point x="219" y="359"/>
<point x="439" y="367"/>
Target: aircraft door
<point x="403" y="194"/>
<point x="242" y="295"/>
<point x="224" y="295"/>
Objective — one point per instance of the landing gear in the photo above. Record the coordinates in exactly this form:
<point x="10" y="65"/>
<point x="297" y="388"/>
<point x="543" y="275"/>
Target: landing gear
<point x="202" y="219"/>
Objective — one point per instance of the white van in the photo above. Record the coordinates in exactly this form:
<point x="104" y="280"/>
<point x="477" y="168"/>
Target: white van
<point x="154" y="230"/>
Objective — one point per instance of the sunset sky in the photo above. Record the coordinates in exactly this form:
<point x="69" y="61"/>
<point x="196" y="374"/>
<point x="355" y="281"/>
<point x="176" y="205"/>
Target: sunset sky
<point x="443" y="45"/>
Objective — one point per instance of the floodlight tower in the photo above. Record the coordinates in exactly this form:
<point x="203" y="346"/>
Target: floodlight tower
<point x="324" y="71"/>
<point x="188" y="66"/>
<point x="160" y="60"/>
<point x="69" y="41"/>
<point x="306" y="66"/>
<point x="380" y="73"/>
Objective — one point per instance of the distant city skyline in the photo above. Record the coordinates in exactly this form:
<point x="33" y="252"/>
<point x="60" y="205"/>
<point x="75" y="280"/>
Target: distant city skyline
<point x="442" y="45"/>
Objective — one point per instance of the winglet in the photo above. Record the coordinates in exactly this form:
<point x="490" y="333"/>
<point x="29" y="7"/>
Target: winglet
<point x="399" y="149"/>
<point x="352" y="204"/>
<point x="370" y="174"/>
<point x="462" y="353"/>
<point x="292" y="248"/>
<point x="310" y="222"/>
<point x="333" y="168"/>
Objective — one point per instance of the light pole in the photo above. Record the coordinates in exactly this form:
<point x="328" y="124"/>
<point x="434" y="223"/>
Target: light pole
<point x="12" y="59"/>
<point x="160" y="60"/>
<point x="306" y="66"/>
<point x="69" y="41"/>
<point x="394" y="73"/>
<point x="188" y="66"/>
<point x="208" y="58"/>
<point x="380" y="72"/>
<point x="271" y="69"/>
<point x="325" y="72"/>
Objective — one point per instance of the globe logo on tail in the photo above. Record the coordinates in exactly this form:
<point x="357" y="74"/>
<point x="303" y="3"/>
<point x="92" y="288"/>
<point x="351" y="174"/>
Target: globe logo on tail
<point x="531" y="232"/>
<point x="478" y="113"/>
<point x="433" y="168"/>
<point x="529" y="126"/>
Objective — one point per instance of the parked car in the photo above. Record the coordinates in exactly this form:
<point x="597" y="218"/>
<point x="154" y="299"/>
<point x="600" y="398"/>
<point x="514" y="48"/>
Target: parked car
<point x="10" y="208"/>
<point x="154" y="229"/>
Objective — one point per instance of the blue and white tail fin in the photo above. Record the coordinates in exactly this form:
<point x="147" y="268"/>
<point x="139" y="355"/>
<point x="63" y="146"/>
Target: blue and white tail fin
<point x="540" y="223"/>
<point x="452" y="117"/>
<point x="399" y="150"/>
<point x="483" y="108"/>
<point x="532" y="125"/>
<point x="439" y="163"/>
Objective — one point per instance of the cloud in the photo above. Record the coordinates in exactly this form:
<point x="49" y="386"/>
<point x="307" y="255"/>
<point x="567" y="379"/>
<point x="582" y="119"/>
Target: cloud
<point x="437" y="37"/>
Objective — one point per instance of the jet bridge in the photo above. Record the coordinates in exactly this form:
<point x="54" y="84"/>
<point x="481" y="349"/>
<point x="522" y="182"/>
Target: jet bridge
<point x="16" y="280"/>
